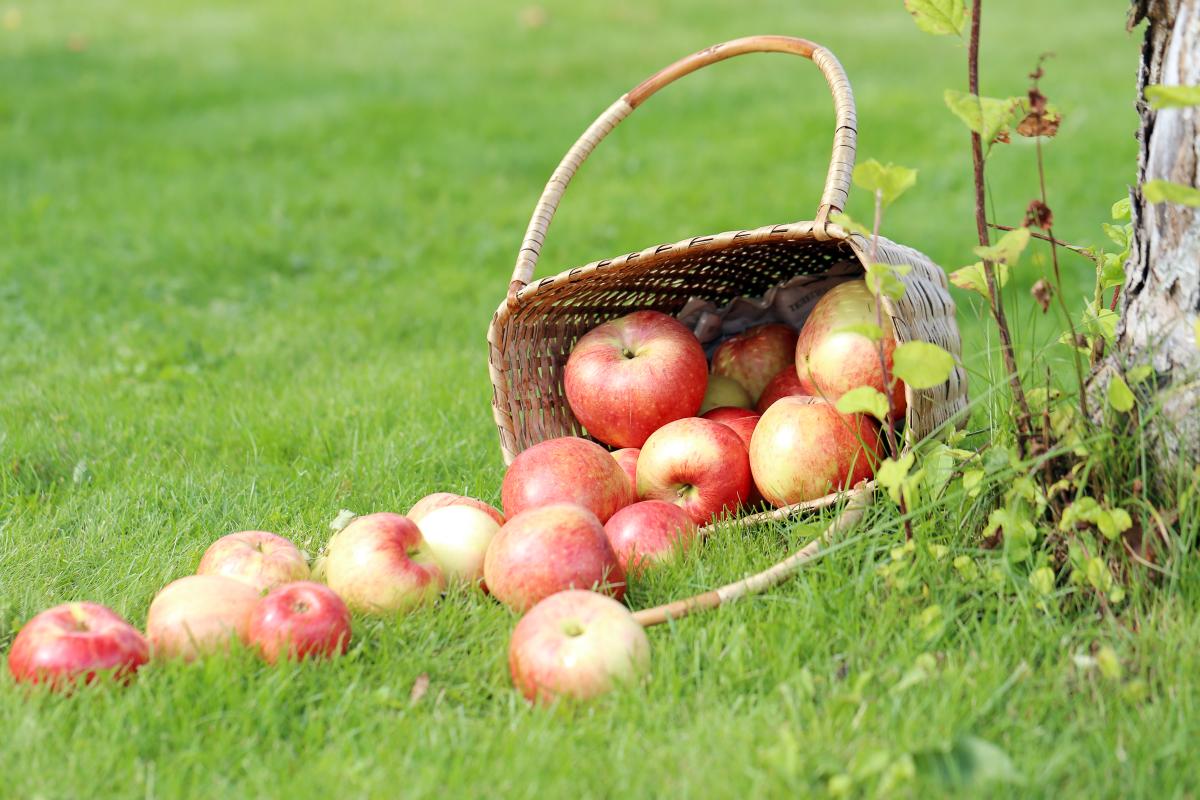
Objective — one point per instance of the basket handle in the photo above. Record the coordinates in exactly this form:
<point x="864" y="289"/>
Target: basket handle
<point x="841" y="165"/>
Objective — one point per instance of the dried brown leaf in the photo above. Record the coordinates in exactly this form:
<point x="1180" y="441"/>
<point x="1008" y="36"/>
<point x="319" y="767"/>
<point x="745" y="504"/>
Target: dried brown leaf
<point x="1042" y="292"/>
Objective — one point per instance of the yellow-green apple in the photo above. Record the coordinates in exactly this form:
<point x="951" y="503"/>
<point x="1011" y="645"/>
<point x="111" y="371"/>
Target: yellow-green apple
<point x="458" y="537"/>
<point x="833" y="357"/>
<point x="697" y="464"/>
<point x="379" y="564"/>
<point x="627" y="457"/>
<point x="577" y="645"/>
<point x="754" y="356"/>
<point x="442" y="499"/>
<point x="260" y="559"/>
<point x="784" y="384"/>
<point x="565" y="470"/>
<point x="549" y="549"/>
<point x="630" y="376"/>
<point x="804" y="448"/>
<point x="649" y="532"/>
<point x="199" y="615"/>
<point x="724" y="391"/>
<point x="76" y="643"/>
<point x="299" y="620"/>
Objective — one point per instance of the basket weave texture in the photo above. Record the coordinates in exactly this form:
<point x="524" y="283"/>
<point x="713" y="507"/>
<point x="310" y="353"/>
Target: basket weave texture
<point x="536" y="326"/>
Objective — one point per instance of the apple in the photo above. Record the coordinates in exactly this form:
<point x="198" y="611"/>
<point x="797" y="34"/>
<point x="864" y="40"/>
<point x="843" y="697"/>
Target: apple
<point x="649" y="532"/>
<point x="784" y="384"/>
<point x="566" y="470"/>
<point x="76" y="642"/>
<point x="627" y="457"/>
<point x="630" y="376"/>
<point x="697" y="464"/>
<point x="299" y="620"/>
<point x="548" y="549"/>
<point x="199" y="615"/>
<point x="804" y="448"/>
<point x="458" y="537"/>
<point x="442" y="499"/>
<point x="832" y="358"/>
<point x="724" y="413"/>
<point x="379" y="564"/>
<point x="755" y="356"/>
<point x="577" y="645"/>
<point x="744" y="428"/>
<point x="724" y="391"/>
<point x="260" y="559"/>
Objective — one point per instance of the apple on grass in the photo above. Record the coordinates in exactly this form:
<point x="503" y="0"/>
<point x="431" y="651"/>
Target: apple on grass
<point x="577" y="645"/>
<point x="627" y="457"/>
<point x="438" y="500"/>
<point x="76" y="643"/>
<point x="566" y="470"/>
<point x="834" y="358"/>
<point x="458" y="538"/>
<point x="724" y="391"/>
<point x="379" y="564"/>
<point x="630" y="376"/>
<point x="649" y="532"/>
<point x="697" y="464"/>
<point x="804" y="448"/>
<point x="755" y="356"/>
<point x="785" y="384"/>
<point x="260" y="559"/>
<point x="299" y="620"/>
<point x="547" y="550"/>
<point x="199" y="615"/>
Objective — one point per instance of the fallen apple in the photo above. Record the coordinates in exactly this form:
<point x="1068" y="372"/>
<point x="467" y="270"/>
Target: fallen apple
<point x="262" y="560"/>
<point x="199" y="615"/>
<point x="438" y="500"/>
<point x="753" y="357"/>
<point x="299" y="620"/>
<point x="76" y="643"/>
<point x="458" y="538"/>
<point x="649" y="532"/>
<point x="697" y="464"/>
<point x="379" y="564"/>
<point x="565" y="470"/>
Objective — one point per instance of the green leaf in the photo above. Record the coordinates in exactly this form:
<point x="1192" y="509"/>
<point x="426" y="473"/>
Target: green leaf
<point x="1139" y="373"/>
<point x="972" y="277"/>
<point x="1109" y="664"/>
<point x="1160" y="96"/>
<point x="1122" y="209"/>
<point x="864" y="400"/>
<point x="867" y="329"/>
<point x="1112" y="271"/>
<point x="1119" y="396"/>
<point x="889" y="180"/>
<point x="922" y="365"/>
<point x="1007" y="249"/>
<point x="969" y="763"/>
<point x="884" y="279"/>
<point x="893" y="472"/>
<point x="939" y="17"/>
<point x="850" y="224"/>
<point x="1120" y="235"/>
<point x="1169" y="192"/>
<point x="987" y="116"/>
<point x="1042" y="580"/>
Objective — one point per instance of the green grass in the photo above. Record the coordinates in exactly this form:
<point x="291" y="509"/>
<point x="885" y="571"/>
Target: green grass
<point x="248" y="254"/>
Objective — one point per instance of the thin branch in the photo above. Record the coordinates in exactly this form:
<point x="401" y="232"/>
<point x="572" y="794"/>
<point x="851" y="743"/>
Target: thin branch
<point x="1074" y="248"/>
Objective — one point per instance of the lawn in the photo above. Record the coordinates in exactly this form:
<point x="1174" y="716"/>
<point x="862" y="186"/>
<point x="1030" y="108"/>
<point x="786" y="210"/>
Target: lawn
<point x="248" y="254"/>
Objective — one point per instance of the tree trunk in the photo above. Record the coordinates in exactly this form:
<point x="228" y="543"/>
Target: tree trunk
<point x="1161" y="297"/>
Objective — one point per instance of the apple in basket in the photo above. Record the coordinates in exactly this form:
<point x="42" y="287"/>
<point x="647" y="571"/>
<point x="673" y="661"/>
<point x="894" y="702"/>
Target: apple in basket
<point x="438" y="500"/>
<point x="379" y="564"/>
<point x="76" y="642"/>
<point x="549" y="549"/>
<point x="755" y="356"/>
<point x="833" y="357"/>
<point x="744" y="427"/>
<point x="630" y="376"/>
<point x="804" y="448"/>
<point x="260" y="559"/>
<point x="724" y="413"/>
<point x="299" y="620"/>
<point x="458" y="537"/>
<point x="649" y="532"/>
<point x="785" y="384"/>
<point x="199" y="615"/>
<point x="627" y="457"/>
<point x="577" y="645"/>
<point x="697" y="464"/>
<point x="565" y="470"/>
<point x="723" y="391"/>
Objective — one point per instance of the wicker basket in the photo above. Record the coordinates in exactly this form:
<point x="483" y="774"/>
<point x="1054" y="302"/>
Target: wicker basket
<point x="534" y="329"/>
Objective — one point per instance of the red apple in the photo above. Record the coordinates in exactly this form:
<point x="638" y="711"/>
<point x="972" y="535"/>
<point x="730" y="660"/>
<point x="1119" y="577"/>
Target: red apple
<point x="199" y="615"/>
<point x="744" y="428"/>
<point x="755" y="356"/>
<point x="299" y="620"/>
<point x="76" y="642"/>
<point x="630" y="376"/>
<point x="784" y="384"/>
<point x="627" y="457"/>
<point x="697" y="464"/>
<point x="577" y="645"/>
<point x="442" y="499"/>
<point x="649" y="532"/>
<point x="546" y="550"/>
<point x="458" y="538"/>
<point x="804" y="448"/>
<point x="565" y="470"/>
<point x="724" y="391"/>
<point x="835" y="360"/>
<point x="379" y="564"/>
<point x="260" y="559"/>
<point x="724" y="413"/>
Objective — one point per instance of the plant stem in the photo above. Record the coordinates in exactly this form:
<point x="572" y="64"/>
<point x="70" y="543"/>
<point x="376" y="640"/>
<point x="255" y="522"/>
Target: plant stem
<point x="1074" y="248"/>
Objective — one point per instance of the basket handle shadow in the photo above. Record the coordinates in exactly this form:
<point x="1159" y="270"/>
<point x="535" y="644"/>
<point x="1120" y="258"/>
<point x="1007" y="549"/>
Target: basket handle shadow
<point x="837" y="180"/>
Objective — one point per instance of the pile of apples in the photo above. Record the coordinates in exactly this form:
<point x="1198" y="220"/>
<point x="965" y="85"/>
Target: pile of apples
<point x="691" y="441"/>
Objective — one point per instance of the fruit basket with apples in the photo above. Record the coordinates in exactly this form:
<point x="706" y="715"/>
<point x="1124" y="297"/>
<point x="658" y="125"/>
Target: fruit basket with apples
<point x="563" y="348"/>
